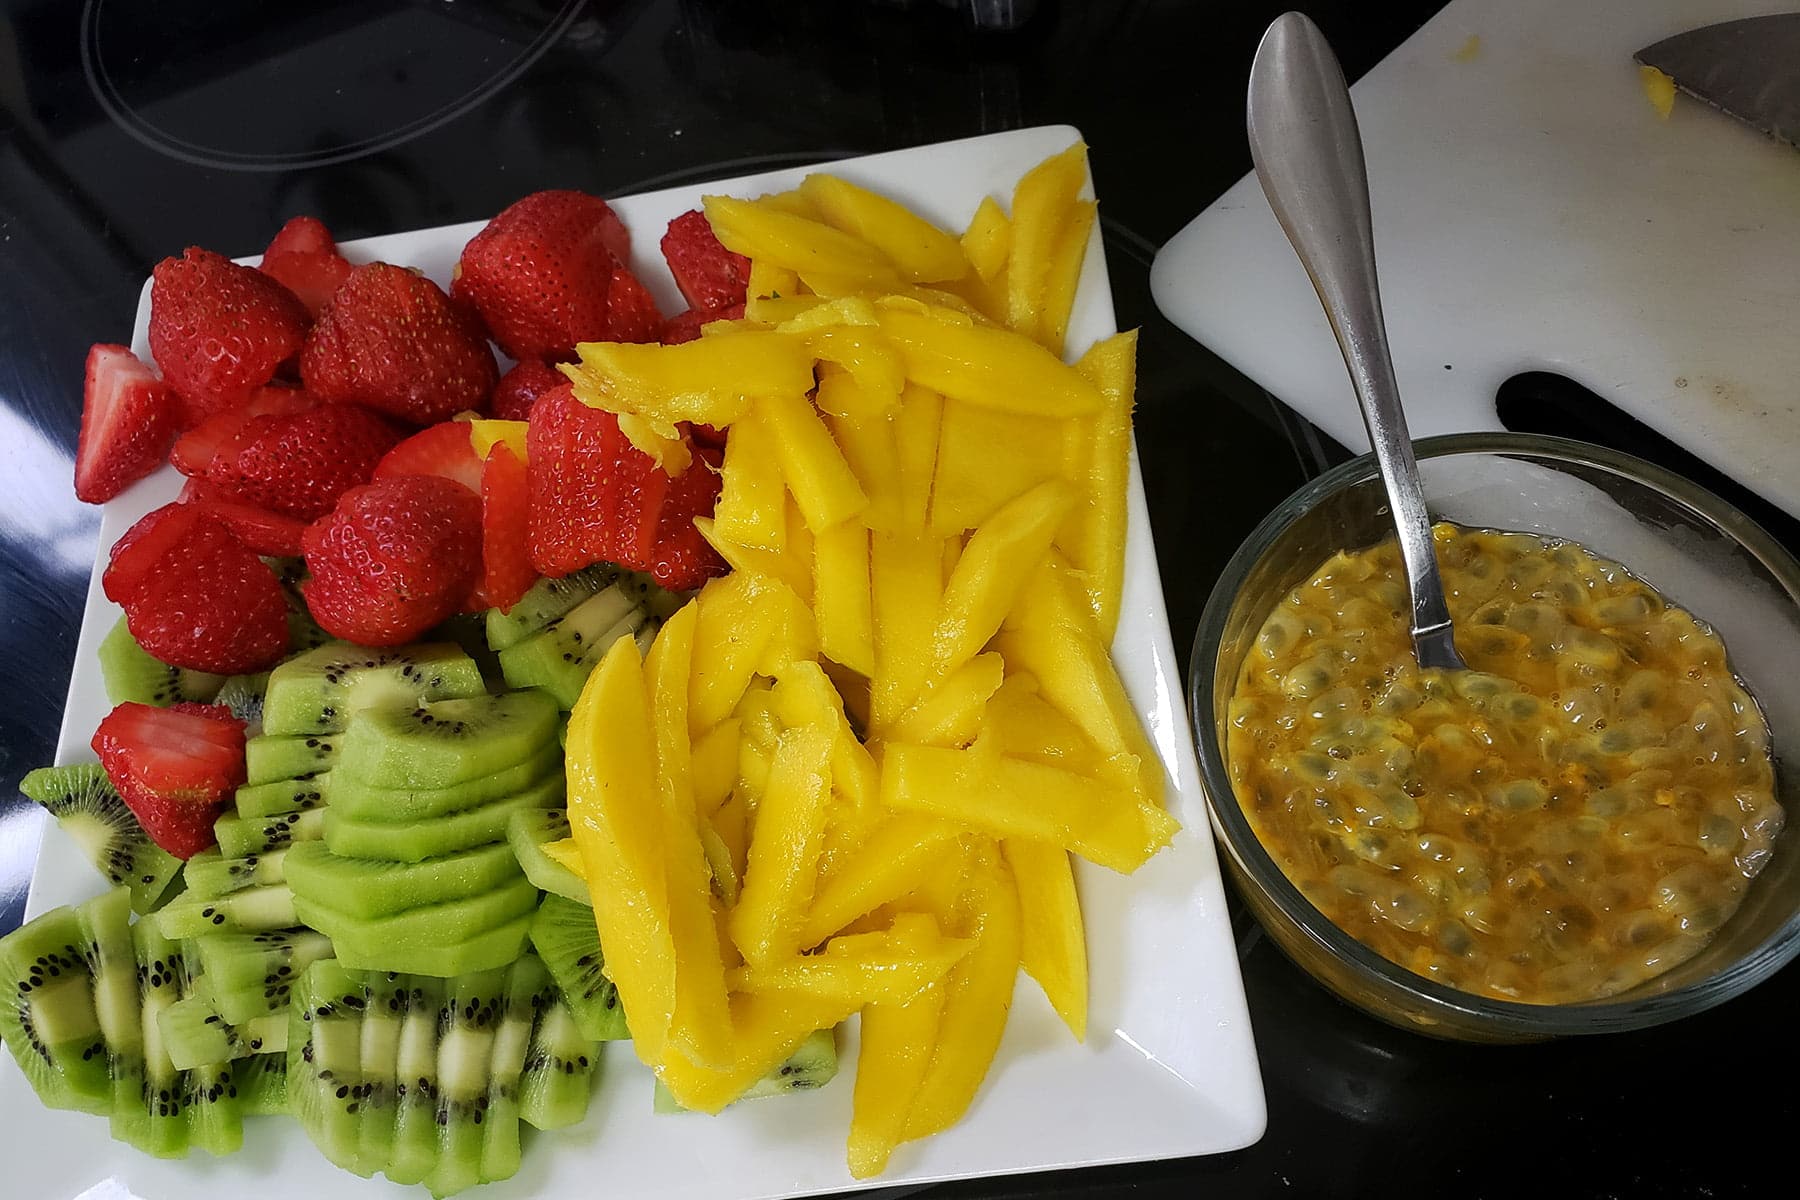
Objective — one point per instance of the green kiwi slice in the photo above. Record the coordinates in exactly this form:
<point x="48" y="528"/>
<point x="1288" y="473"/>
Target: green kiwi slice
<point x="448" y="834"/>
<point x="560" y="1070"/>
<point x="473" y="1003"/>
<point x="269" y="757"/>
<point x="812" y="1065"/>
<point x="282" y="796"/>
<point x="210" y="874"/>
<point x="472" y="933"/>
<point x="196" y="1035"/>
<point x="559" y="657"/>
<point x="384" y="1011"/>
<point x="246" y="837"/>
<point x="528" y="987"/>
<point x="443" y="742"/>
<point x="320" y="690"/>
<point x="89" y="810"/>
<point x="262" y="1084"/>
<point x="252" y="973"/>
<point x="113" y="971"/>
<point x="132" y="675"/>
<point x="355" y="798"/>
<point x="248" y="910"/>
<point x="47" y="1014"/>
<point x="414" y="1146"/>
<point x="546" y="600"/>
<point x="156" y="1120"/>
<point x="526" y="833"/>
<point x="565" y="936"/>
<point x="374" y="888"/>
<point x="324" y="1053"/>
<point x="243" y="695"/>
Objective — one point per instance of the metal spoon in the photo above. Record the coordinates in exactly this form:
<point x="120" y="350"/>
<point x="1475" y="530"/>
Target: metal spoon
<point x="1309" y="159"/>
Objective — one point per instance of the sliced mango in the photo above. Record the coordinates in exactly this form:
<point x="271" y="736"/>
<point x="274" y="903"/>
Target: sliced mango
<point x="923" y="252"/>
<point x="797" y="243"/>
<point x="1043" y="203"/>
<point x="916" y="428"/>
<point x="486" y="432"/>
<point x="987" y="366"/>
<point x="814" y="469"/>
<point x="986" y="457"/>
<point x="841" y="602"/>
<point x="896" y="1051"/>
<point x="907" y="588"/>
<point x="994" y="565"/>
<point x="768" y="280"/>
<point x="863" y="968"/>
<point x="710" y="380"/>
<point x="1052" y="939"/>
<point x="1093" y="536"/>
<point x="768" y="1027"/>
<point x="988" y="239"/>
<point x="951" y="713"/>
<point x="783" y="857"/>
<point x="892" y="859"/>
<point x="1062" y="277"/>
<point x="752" y="506"/>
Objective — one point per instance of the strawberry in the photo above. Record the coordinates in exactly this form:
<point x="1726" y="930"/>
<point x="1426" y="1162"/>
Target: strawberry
<point x="259" y="529"/>
<point x="299" y="463"/>
<point x="709" y="275"/>
<point x="195" y="450"/>
<point x="682" y="559"/>
<point x="685" y="326"/>
<point x="394" y="558"/>
<point x="305" y="259"/>
<point x="594" y="496"/>
<point x="194" y="596"/>
<point x="128" y="420"/>
<point x="442" y="449"/>
<point x="631" y="313"/>
<point x="506" y="570"/>
<point x="218" y="330"/>
<point x="520" y="387"/>
<point x="540" y="273"/>
<point x="391" y="339"/>
<point x="176" y="768"/>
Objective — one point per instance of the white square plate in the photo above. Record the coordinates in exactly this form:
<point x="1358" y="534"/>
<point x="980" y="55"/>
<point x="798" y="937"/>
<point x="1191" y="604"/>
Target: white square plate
<point x="1169" y="1068"/>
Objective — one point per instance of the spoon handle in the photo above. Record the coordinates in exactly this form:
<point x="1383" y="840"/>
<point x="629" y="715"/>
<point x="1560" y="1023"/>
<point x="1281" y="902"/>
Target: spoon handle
<point x="1309" y="158"/>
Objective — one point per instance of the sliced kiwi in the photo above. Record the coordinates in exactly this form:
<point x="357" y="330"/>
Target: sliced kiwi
<point x="47" y="1014"/>
<point x="374" y="888"/>
<point x="262" y="1084"/>
<point x="414" y="1146"/>
<point x="243" y="695"/>
<point x="156" y="1120"/>
<point x="324" y="1069"/>
<point x="544" y="602"/>
<point x="384" y="1011"/>
<point x="527" y="832"/>
<point x="560" y="1069"/>
<point x="89" y="810"/>
<point x="472" y="933"/>
<point x="439" y="743"/>
<point x="196" y="1035"/>
<point x="447" y="834"/>
<point x="282" y="796"/>
<point x="319" y="691"/>
<point x="812" y="1065"/>
<point x="215" y="1122"/>
<point x="250" y="972"/>
<point x="355" y="798"/>
<point x="565" y="936"/>
<point x="246" y="837"/>
<point x="132" y="675"/>
<point x="473" y="1003"/>
<point x="249" y="910"/>
<point x="270" y="757"/>
<point x="559" y="657"/>
<point x="209" y="874"/>
<point x="528" y="989"/>
<point x="113" y="970"/>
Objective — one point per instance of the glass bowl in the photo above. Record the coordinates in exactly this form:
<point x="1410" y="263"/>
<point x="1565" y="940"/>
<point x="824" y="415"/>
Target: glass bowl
<point x="1696" y="549"/>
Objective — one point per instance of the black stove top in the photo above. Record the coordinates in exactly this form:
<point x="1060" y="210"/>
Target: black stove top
<point x="132" y="128"/>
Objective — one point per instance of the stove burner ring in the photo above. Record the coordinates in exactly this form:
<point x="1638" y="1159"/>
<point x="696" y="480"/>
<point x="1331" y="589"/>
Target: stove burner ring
<point x="120" y="110"/>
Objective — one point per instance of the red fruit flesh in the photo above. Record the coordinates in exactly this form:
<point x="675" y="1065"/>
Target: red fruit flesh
<point x="313" y="278"/>
<point x="195" y="450"/>
<point x="302" y="235"/>
<point x="218" y="329"/>
<point x="394" y="558"/>
<point x="134" y="556"/>
<point x="128" y="420"/>
<point x="683" y="559"/>
<point x="262" y="531"/>
<point x="709" y="275"/>
<point x="685" y="326"/>
<point x="392" y="340"/>
<point x="540" y="272"/>
<point x="520" y="388"/>
<point x="631" y="314"/>
<point x="594" y="496"/>
<point x="176" y="768"/>
<point x="298" y="464"/>
<point x="444" y="449"/>
<point x="506" y="570"/>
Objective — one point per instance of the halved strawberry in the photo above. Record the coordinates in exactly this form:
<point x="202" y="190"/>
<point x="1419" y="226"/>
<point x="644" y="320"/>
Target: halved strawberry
<point x="594" y="496"/>
<point x="128" y="419"/>
<point x="442" y="449"/>
<point x="631" y="313"/>
<point x="685" y="326"/>
<point x="259" y="529"/>
<point x="683" y="559"/>
<point x="305" y="259"/>
<point x="709" y="275"/>
<point x="134" y="556"/>
<point x="175" y="768"/>
<point x="506" y="570"/>
<point x="218" y="329"/>
<point x="298" y="463"/>
<point x="520" y="387"/>
<point x="302" y="235"/>
<point x="195" y="450"/>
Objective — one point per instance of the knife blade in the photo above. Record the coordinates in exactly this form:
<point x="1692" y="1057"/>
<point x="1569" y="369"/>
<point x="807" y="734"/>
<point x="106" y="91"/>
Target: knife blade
<point x="1749" y="69"/>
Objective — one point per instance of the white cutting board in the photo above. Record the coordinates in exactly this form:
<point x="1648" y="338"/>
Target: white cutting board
<point x="1533" y="212"/>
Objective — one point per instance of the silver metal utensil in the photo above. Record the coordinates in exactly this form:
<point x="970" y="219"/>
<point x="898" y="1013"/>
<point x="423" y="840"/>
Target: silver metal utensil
<point x="1748" y="68"/>
<point x="1309" y="159"/>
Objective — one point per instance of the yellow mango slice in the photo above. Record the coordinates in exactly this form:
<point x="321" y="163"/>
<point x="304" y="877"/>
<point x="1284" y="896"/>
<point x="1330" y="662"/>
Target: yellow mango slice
<point x="768" y="280"/>
<point x="814" y="469"/>
<point x="1006" y="797"/>
<point x="988" y="240"/>
<point x="916" y="428"/>
<point x="1052" y="940"/>
<point x="977" y="996"/>
<point x="862" y="968"/>
<point x="663" y="443"/>
<point x="715" y="762"/>
<point x="617" y="822"/>
<point x="731" y="827"/>
<point x="1028" y="726"/>
<point x="486" y="432"/>
<point x="951" y="713"/>
<point x="1064" y="273"/>
<point x="791" y="201"/>
<point x="923" y="252"/>
<point x="769" y="1026"/>
<point x="796" y="243"/>
<point x="782" y="865"/>
<point x="986" y="457"/>
<point x="1043" y="204"/>
<point x="988" y="366"/>
<point x="906" y="587"/>
<point x="804" y="697"/>
<point x="1093" y="536"/>
<point x="841" y="603"/>
<point x="868" y="357"/>
<point x="891" y="861"/>
<point x="792" y="565"/>
<point x="747" y="624"/>
<point x="710" y="380"/>
<point x="995" y="564"/>
<point x="565" y="854"/>
<point x="752" y="506"/>
<point x="721" y="864"/>
<point x="821" y="313"/>
<point x="895" y="1052"/>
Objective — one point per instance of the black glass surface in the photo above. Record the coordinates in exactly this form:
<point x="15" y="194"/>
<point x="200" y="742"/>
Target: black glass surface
<point x="132" y="128"/>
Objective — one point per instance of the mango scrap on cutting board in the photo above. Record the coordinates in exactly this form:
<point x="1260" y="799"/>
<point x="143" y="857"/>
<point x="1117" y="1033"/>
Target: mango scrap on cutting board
<point x="852" y="776"/>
